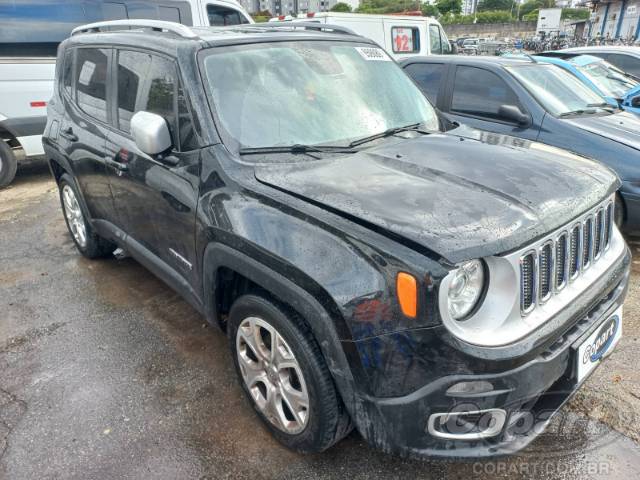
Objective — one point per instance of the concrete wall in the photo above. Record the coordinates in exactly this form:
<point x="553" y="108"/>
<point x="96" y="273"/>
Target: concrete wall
<point x="491" y="30"/>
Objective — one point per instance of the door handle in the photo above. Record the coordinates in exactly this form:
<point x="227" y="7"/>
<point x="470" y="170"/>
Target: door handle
<point x="121" y="167"/>
<point x="69" y="135"/>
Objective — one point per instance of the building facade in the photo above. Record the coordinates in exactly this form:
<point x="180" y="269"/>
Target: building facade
<point x="614" y="19"/>
<point x="293" y="7"/>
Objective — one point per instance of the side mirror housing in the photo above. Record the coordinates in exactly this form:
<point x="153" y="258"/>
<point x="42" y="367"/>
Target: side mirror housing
<point x="635" y="102"/>
<point x="151" y="133"/>
<point x="513" y="114"/>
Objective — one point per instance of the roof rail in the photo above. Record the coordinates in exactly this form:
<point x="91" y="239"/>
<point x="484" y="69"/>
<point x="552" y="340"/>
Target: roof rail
<point x="157" y="25"/>
<point x="296" y="24"/>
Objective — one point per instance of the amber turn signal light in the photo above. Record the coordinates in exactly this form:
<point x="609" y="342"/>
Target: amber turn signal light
<point x="407" y="291"/>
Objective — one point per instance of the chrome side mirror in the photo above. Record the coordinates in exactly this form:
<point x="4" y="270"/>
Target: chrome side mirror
<point x="151" y="133"/>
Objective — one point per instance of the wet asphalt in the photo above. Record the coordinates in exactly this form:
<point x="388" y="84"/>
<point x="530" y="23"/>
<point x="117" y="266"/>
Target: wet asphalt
<point x="107" y="373"/>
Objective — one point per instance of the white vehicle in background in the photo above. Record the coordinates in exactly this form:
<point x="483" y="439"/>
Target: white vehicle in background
<point x="30" y="32"/>
<point x="402" y="36"/>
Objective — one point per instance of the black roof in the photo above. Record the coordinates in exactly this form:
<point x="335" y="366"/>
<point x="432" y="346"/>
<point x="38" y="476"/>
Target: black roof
<point x="206" y="37"/>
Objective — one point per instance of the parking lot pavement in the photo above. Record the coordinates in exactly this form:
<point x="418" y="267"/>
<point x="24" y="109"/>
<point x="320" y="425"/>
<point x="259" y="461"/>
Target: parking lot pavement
<point x="106" y="373"/>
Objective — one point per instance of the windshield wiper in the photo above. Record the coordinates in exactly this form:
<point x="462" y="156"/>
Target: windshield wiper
<point x="415" y="127"/>
<point x="579" y="112"/>
<point x="297" y="148"/>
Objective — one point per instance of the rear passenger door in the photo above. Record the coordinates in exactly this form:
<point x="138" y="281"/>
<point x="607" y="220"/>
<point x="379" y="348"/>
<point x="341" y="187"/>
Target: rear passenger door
<point x="156" y="196"/>
<point x="475" y="97"/>
<point x="83" y="130"/>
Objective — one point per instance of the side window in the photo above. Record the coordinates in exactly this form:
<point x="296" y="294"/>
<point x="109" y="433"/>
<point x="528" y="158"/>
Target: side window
<point x="434" y="39"/>
<point x="188" y="139"/>
<point x="220" y="16"/>
<point x="146" y="82"/>
<point x="91" y="81"/>
<point x="405" y="39"/>
<point x="161" y="94"/>
<point x="67" y="71"/>
<point x="480" y="93"/>
<point x="428" y="77"/>
<point x="626" y="63"/>
<point x="133" y="70"/>
<point x="444" y="41"/>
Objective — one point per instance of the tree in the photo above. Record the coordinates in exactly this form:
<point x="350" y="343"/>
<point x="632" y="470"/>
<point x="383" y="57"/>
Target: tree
<point x="449" y="6"/>
<point x="430" y="10"/>
<point x="495" y="5"/>
<point x="341" y="7"/>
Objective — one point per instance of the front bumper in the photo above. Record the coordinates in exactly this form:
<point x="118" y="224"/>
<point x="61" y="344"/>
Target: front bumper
<point x="532" y="390"/>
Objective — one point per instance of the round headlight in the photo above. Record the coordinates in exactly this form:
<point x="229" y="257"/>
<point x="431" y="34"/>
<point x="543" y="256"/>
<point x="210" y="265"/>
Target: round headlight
<point x="466" y="289"/>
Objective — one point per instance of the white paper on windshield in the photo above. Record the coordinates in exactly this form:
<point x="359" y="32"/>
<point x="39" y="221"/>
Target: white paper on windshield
<point x="373" y="54"/>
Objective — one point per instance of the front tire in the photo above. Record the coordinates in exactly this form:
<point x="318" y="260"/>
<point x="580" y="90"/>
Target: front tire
<point x="88" y="243"/>
<point x="284" y="375"/>
<point x="8" y="164"/>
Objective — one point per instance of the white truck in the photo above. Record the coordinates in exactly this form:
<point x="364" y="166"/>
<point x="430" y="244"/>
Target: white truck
<point x="401" y="36"/>
<point x="30" y="32"/>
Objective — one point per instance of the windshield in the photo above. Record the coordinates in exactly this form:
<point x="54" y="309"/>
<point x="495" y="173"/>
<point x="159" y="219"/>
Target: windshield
<point x="557" y="90"/>
<point x="310" y="93"/>
<point x="609" y="80"/>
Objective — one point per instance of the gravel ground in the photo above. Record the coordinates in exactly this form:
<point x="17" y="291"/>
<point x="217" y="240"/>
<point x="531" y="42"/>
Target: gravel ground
<point x="106" y="373"/>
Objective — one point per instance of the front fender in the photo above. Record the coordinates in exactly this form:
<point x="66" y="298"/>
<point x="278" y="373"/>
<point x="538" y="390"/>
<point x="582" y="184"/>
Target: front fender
<point x="324" y="325"/>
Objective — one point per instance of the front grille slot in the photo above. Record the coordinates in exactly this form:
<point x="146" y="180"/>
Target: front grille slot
<point x="527" y="281"/>
<point x="562" y="261"/>
<point x="587" y="242"/>
<point x="608" y="224"/>
<point x="574" y="249"/>
<point x="552" y="264"/>
<point x="545" y="271"/>
<point x="598" y="231"/>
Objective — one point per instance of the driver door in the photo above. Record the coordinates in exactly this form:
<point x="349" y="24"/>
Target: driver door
<point x="156" y="196"/>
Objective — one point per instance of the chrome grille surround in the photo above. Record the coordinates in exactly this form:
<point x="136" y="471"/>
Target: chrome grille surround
<point x="588" y="239"/>
<point x="514" y="304"/>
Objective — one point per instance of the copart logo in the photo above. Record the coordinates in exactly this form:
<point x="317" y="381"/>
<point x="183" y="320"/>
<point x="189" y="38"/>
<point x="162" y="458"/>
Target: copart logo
<point x="594" y="351"/>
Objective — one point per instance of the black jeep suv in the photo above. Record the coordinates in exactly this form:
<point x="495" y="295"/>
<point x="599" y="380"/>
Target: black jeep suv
<point x="441" y="289"/>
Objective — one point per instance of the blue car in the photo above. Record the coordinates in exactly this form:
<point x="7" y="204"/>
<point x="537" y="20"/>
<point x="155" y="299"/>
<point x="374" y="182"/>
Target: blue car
<point x="620" y="89"/>
<point x="537" y="102"/>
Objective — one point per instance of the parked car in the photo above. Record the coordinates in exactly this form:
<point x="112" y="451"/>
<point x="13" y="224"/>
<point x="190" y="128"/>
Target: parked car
<point x="537" y="102"/>
<point x="618" y="88"/>
<point x="626" y="59"/>
<point x="402" y="36"/>
<point x="369" y="267"/>
<point x="30" y="32"/>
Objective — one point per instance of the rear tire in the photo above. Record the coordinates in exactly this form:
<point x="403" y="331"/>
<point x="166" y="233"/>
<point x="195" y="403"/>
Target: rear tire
<point x="88" y="243"/>
<point x="8" y="164"/>
<point x="296" y="375"/>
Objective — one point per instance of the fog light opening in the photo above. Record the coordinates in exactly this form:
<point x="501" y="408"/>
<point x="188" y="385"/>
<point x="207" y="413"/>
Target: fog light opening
<point x="467" y="425"/>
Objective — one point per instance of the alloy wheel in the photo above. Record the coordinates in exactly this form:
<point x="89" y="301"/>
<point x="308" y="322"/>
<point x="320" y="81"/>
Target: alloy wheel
<point x="74" y="216"/>
<point x="272" y="375"/>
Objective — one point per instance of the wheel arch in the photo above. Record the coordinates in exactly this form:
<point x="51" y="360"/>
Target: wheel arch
<point x="248" y="275"/>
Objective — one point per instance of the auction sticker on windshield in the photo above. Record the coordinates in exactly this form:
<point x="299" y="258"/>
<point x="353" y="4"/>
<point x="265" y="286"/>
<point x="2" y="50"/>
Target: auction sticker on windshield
<point x="373" y="53"/>
<point x="599" y="344"/>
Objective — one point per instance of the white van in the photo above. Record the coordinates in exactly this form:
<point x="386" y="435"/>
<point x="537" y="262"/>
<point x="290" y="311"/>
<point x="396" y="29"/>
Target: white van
<point x="30" y="32"/>
<point x="402" y="36"/>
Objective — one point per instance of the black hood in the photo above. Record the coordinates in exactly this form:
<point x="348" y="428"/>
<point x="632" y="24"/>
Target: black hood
<point x="456" y="196"/>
